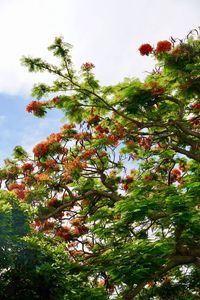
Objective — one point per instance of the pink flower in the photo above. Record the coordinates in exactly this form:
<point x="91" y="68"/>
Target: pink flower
<point x="87" y="66"/>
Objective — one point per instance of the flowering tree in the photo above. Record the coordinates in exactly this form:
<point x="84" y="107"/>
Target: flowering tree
<point x="118" y="184"/>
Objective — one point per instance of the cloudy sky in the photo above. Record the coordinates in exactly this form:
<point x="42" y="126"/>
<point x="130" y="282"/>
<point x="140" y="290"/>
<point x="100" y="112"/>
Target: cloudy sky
<point x="105" y="32"/>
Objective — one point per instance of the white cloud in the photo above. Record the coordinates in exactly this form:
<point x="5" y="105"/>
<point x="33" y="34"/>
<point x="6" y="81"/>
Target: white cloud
<point x="105" y="32"/>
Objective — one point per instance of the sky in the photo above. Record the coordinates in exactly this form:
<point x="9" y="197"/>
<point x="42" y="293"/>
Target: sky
<point x="105" y="32"/>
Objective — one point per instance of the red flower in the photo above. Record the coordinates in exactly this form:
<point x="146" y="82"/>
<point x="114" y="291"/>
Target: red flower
<point x="176" y="172"/>
<point x="68" y="127"/>
<point x="151" y="283"/>
<point x="99" y="128"/>
<point x="94" y="120"/>
<point x="18" y="189"/>
<point x="176" y="51"/>
<point x="125" y="186"/>
<point x="147" y="177"/>
<point x="53" y="202"/>
<point x="163" y="46"/>
<point x="14" y="186"/>
<point x="20" y="193"/>
<point x="112" y="139"/>
<point x="52" y="164"/>
<point x="42" y="177"/>
<point x="40" y="149"/>
<point x="129" y="179"/>
<point x="89" y="153"/>
<point x="145" y="142"/>
<point x="55" y="100"/>
<point x="27" y="167"/>
<point x="145" y="49"/>
<point x="34" y="106"/>
<point x="54" y="137"/>
<point x="196" y="105"/>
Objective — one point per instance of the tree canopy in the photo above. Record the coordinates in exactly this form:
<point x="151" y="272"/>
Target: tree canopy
<point x="113" y="197"/>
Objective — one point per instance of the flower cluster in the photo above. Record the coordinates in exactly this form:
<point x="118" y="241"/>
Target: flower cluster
<point x="83" y="136"/>
<point x="53" y="202"/>
<point x="87" y="66"/>
<point x="18" y="189"/>
<point x="34" y="106"/>
<point x="100" y="129"/>
<point x="145" y="49"/>
<point x="89" y="153"/>
<point x="27" y="167"/>
<point x="156" y="89"/>
<point x="94" y="120"/>
<point x="54" y="137"/>
<point x="52" y="164"/>
<point x="64" y="233"/>
<point x="196" y="105"/>
<point x="163" y="46"/>
<point x="145" y="142"/>
<point x="67" y="128"/>
<point x="73" y="165"/>
<point x="176" y="175"/>
<point x="42" y="177"/>
<point x="40" y="149"/>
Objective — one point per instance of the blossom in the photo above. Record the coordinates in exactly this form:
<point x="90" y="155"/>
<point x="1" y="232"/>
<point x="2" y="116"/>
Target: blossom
<point x="163" y="46"/>
<point x="176" y="51"/>
<point x="28" y="180"/>
<point x="145" y="49"/>
<point x="145" y="142"/>
<point x="129" y="143"/>
<point x="63" y="232"/>
<point x="112" y="139"/>
<point x="21" y="194"/>
<point x="67" y="127"/>
<point x="54" y="137"/>
<point x="94" y="119"/>
<point x="196" y="105"/>
<point x="99" y="128"/>
<point x="87" y="66"/>
<point x="88" y="153"/>
<point x="42" y="177"/>
<point x="18" y="189"/>
<point x="40" y="149"/>
<point x="151" y="283"/>
<point x="82" y="136"/>
<point x="156" y="89"/>
<point x="27" y="167"/>
<point x="176" y="172"/>
<point x="52" y="164"/>
<point x="14" y="185"/>
<point x="147" y="177"/>
<point x="129" y="179"/>
<point x="125" y="186"/>
<point x="34" y="106"/>
<point x="53" y="201"/>
<point x="73" y="165"/>
<point x="56" y="100"/>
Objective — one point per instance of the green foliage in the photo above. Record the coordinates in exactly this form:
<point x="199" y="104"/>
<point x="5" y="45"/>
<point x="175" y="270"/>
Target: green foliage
<point x="19" y="153"/>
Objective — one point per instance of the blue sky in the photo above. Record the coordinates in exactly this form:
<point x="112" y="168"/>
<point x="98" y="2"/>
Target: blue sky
<point x="20" y="128"/>
<point x="105" y="32"/>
